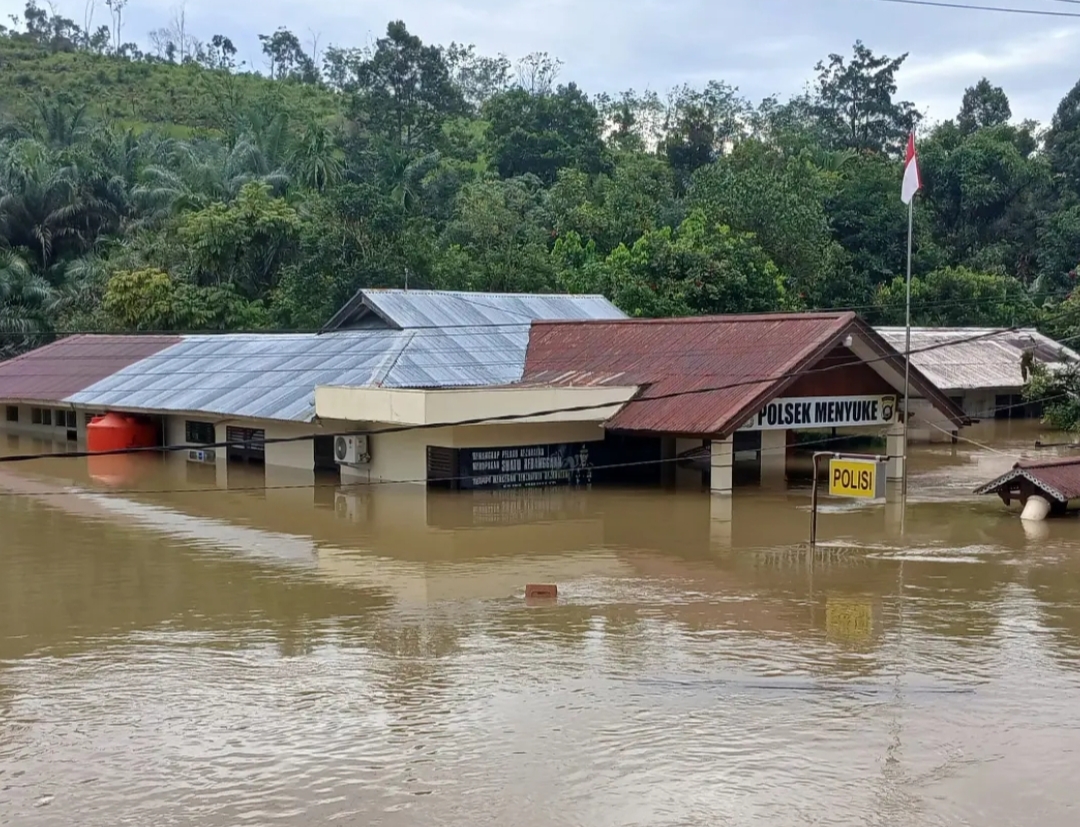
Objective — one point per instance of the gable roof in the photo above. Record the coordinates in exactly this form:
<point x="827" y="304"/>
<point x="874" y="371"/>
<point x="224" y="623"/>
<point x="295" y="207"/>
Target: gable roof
<point x="55" y="371"/>
<point x="714" y="372"/>
<point x="1060" y="478"/>
<point x="410" y="309"/>
<point x="960" y="361"/>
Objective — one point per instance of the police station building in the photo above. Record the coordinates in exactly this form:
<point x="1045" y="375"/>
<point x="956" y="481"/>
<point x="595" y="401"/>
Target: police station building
<point x="686" y="402"/>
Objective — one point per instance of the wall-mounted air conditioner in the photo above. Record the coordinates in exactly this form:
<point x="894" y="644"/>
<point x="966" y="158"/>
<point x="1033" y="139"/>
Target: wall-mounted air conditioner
<point x="351" y="450"/>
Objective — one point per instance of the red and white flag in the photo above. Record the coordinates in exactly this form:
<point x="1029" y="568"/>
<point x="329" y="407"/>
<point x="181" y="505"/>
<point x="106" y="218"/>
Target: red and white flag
<point x="912" y="181"/>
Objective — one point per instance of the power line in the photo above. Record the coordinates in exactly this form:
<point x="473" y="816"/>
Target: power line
<point x="458" y="478"/>
<point x="468" y="330"/>
<point x="972" y="7"/>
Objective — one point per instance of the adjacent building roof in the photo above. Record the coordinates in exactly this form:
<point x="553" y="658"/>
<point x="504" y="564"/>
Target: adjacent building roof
<point x="705" y="375"/>
<point x="410" y="309"/>
<point x="967" y="358"/>
<point x="54" y="372"/>
<point x="1060" y="478"/>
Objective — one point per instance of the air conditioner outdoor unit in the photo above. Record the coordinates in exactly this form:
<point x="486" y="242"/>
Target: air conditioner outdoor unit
<point x="351" y="450"/>
<point x="201" y="455"/>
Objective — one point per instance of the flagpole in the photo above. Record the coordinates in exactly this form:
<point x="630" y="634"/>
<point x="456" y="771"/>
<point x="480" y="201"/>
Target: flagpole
<point x="907" y="342"/>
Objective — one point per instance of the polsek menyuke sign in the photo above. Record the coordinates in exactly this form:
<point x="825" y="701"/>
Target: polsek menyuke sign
<point x="824" y="412"/>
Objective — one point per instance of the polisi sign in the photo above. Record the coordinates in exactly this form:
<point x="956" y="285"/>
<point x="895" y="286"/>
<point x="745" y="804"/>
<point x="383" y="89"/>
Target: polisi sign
<point x="824" y="412"/>
<point x="864" y="478"/>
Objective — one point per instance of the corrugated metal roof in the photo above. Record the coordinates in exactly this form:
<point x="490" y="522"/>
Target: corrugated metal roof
<point x="684" y="355"/>
<point x="273" y="376"/>
<point x="1060" y="478"/>
<point x="53" y="372"/>
<point x="959" y="361"/>
<point x="409" y="309"/>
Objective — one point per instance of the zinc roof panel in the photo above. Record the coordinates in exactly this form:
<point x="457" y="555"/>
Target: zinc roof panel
<point x="53" y="372"/>
<point x="443" y="309"/>
<point x="679" y="356"/>
<point x="960" y="361"/>
<point x="274" y="376"/>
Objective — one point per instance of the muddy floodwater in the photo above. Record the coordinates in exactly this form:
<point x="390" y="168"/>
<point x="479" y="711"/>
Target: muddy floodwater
<point x="302" y="656"/>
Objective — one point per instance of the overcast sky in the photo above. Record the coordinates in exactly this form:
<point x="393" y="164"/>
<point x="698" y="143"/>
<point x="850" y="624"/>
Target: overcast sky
<point x="761" y="46"/>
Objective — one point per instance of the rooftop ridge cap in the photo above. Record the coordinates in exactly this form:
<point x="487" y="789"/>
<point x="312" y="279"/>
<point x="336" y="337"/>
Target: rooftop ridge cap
<point x="714" y="319"/>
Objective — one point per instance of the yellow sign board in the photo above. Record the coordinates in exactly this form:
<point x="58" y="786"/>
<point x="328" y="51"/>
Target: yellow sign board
<point x="856" y="478"/>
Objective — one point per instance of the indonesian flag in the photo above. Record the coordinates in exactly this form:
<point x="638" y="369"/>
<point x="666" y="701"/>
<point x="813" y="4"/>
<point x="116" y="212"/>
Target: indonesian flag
<point x="912" y="182"/>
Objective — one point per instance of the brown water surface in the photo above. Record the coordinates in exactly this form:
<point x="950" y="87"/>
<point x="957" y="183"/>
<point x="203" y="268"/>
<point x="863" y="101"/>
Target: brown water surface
<point x="303" y="656"/>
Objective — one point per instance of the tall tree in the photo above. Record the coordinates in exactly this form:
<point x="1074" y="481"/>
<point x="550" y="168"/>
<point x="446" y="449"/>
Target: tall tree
<point x="401" y="91"/>
<point x="286" y="58"/>
<point x="539" y="134"/>
<point x="854" y="101"/>
<point x="1063" y="140"/>
<point x="984" y="105"/>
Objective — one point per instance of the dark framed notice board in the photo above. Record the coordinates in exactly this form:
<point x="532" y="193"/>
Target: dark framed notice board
<point x="518" y="466"/>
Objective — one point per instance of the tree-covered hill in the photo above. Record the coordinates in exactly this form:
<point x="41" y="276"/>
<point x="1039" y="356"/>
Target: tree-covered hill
<point x="175" y="190"/>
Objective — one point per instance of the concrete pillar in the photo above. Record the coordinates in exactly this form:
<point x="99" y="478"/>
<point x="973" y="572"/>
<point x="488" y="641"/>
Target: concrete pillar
<point x="722" y="455"/>
<point x="720" y="520"/>
<point x="773" y="457"/>
<point x="894" y="448"/>
<point x="894" y="509"/>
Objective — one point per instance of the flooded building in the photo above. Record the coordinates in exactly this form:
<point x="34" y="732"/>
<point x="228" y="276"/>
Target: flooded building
<point x="487" y="392"/>
<point x="256" y="392"/>
<point x="980" y="368"/>
<point x="624" y="400"/>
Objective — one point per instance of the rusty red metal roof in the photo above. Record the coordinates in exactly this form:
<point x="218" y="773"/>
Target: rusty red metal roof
<point x="704" y="375"/>
<point x="1060" y="478"/>
<point x="65" y="367"/>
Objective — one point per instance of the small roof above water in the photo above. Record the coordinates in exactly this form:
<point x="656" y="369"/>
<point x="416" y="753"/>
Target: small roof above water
<point x="1060" y="478"/>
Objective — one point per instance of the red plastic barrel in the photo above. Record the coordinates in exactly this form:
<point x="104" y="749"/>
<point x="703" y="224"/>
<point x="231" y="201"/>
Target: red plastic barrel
<point x="115" y="432"/>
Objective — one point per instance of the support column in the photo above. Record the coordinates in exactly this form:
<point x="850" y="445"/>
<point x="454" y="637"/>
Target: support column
<point x="894" y="448"/>
<point x="720" y="520"/>
<point x="722" y="455"/>
<point x="774" y="457"/>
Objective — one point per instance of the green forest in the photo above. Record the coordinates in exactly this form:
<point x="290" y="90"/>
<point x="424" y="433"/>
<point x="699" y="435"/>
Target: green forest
<point x="175" y="190"/>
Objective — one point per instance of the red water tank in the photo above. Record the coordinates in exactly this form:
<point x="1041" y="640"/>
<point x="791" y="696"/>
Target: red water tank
<point x="115" y="432"/>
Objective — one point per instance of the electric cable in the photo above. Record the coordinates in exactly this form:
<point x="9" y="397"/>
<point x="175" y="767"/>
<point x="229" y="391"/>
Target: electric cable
<point x="972" y="7"/>
<point x="457" y="478"/>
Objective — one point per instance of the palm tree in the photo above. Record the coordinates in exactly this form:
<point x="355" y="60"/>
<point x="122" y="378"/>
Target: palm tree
<point x="24" y="297"/>
<point x="314" y="160"/>
<point x="59" y="123"/>
<point x="43" y="205"/>
<point x="194" y="175"/>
